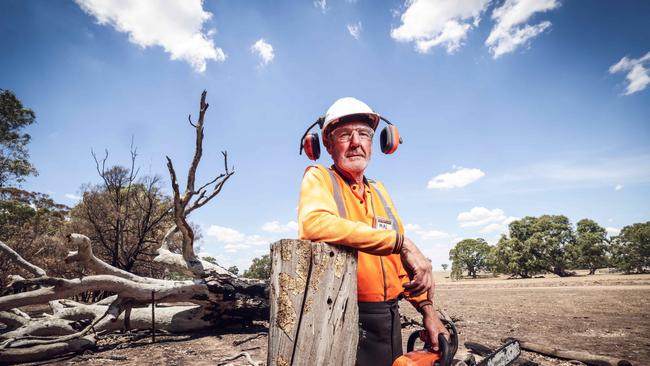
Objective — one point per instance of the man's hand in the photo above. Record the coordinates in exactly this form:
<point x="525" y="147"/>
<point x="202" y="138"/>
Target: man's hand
<point x="432" y="327"/>
<point x="418" y="268"/>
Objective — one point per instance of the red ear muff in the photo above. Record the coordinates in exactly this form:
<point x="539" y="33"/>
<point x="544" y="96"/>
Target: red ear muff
<point x="389" y="139"/>
<point x="311" y="145"/>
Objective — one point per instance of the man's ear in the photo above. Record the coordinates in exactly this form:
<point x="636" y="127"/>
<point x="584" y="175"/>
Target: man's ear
<point x="327" y="143"/>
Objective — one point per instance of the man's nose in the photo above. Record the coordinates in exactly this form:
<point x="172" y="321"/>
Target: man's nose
<point x="355" y="140"/>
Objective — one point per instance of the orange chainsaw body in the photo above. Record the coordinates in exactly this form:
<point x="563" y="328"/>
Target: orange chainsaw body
<point x="417" y="358"/>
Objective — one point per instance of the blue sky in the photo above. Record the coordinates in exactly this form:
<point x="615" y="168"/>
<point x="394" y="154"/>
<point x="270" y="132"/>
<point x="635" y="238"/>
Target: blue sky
<point x="507" y="108"/>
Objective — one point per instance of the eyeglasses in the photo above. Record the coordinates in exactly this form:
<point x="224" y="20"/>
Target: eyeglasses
<point x="345" y="134"/>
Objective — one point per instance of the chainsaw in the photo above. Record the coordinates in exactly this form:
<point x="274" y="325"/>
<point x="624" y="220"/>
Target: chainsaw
<point x="503" y="356"/>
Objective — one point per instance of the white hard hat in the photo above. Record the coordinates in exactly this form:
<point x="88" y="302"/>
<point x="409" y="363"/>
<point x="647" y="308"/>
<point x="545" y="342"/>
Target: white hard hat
<point x="346" y="107"/>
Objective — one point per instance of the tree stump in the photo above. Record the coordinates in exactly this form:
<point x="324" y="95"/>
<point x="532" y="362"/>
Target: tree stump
<point x="313" y="296"/>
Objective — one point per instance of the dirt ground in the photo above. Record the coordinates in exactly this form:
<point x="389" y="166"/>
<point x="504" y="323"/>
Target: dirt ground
<point x="606" y="314"/>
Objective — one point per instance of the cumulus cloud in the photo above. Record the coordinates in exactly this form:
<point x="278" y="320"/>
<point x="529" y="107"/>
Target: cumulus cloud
<point x="264" y="50"/>
<point x="233" y="240"/>
<point x="412" y="227"/>
<point x="174" y="25"/>
<point x="276" y="227"/>
<point x="445" y="23"/>
<point x="459" y="178"/>
<point x="355" y="30"/>
<point x="321" y="5"/>
<point x="618" y="187"/>
<point x="638" y="76"/>
<point x="415" y="229"/>
<point x="433" y="234"/>
<point x="492" y="220"/>
<point x="511" y="30"/>
<point x="479" y="216"/>
<point x="73" y="197"/>
<point x="498" y="227"/>
<point x="225" y="234"/>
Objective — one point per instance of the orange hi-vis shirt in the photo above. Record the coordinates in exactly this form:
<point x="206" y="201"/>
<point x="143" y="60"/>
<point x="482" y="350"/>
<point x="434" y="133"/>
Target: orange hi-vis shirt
<point x="380" y="273"/>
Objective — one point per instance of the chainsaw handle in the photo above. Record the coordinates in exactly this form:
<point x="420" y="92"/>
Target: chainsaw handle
<point x="443" y="347"/>
<point x="410" y="344"/>
<point x="445" y="350"/>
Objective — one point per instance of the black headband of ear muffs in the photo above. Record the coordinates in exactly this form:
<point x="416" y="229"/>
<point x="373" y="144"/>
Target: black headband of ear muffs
<point x="318" y="122"/>
<point x="311" y="145"/>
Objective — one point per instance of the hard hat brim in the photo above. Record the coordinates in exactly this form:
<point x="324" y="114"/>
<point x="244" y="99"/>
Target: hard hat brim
<point x="372" y="119"/>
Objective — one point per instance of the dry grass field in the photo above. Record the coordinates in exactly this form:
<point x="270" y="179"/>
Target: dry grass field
<point x="607" y="314"/>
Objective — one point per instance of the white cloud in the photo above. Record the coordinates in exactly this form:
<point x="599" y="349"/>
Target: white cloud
<point x="73" y="197"/>
<point x="479" y="216"/>
<point x="355" y="30"/>
<point x="431" y="23"/>
<point x="415" y="229"/>
<point x="638" y="76"/>
<point x="228" y="235"/>
<point x="510" y="30"/>
<point x="492" y="228"/>
<point x="498" y="227"/>
<point x="276" y="227"/>
<point x="612" y="231"/>
<point x="459" y="178"/>
<point x="175" y="25"/>
<point x="264" y="50"/>
<point x="433" y="234"/>
<point x="492" y="221"/>
<point x="321" y="5"/>
<point x="618" y="187"/>
<point x="225" y="234"/>
<point x="412" y="227"/>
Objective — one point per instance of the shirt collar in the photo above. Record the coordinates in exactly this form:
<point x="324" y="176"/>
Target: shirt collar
<point x="346" y="179"/>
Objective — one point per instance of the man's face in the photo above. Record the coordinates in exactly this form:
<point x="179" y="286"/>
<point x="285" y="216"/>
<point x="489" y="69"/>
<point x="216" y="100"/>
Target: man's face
<point x="350" y="145"/>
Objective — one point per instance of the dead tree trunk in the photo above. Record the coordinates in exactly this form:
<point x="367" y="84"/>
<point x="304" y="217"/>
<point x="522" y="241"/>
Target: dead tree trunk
<point x="313" y="297"/>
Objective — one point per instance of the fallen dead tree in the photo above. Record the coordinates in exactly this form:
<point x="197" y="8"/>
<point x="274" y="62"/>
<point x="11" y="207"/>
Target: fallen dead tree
<point x="217" y="297"/>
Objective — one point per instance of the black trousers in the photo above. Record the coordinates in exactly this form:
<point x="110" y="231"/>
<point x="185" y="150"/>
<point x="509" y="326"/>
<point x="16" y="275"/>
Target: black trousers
<point x="380" y="333"/>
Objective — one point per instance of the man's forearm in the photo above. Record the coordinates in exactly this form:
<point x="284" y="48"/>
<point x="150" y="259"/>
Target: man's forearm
<point x="324" y="226"/>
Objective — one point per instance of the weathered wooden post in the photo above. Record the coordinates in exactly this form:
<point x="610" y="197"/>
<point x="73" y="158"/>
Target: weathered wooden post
<point x="314" y="315"/>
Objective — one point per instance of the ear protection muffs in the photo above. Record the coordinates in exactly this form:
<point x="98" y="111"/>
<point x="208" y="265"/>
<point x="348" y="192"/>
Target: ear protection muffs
<point x="389" y="139"/>
<point x="310" y="143"/>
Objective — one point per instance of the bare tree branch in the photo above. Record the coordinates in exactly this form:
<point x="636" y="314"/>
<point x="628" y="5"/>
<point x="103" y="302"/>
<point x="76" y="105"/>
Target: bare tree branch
<point x="246" y="355"/>
<point x="57" y="288"/>
<point x="31" y="268"/>
<point x="84" y="256"/>
<point x="198" y="150"/>
<point x="182" y="205"/>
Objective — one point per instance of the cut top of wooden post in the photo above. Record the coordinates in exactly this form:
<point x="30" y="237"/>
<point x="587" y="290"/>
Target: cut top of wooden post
<point x="314" y="314"/>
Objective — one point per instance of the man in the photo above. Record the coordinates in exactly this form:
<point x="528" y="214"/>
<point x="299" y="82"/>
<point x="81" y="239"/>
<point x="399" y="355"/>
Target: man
<point x="340" y="205"/>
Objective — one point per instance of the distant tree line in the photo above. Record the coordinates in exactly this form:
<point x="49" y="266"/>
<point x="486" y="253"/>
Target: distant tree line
<point x="550" y="244"/>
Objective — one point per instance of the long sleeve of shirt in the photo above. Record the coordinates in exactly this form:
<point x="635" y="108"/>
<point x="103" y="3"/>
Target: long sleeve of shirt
<point x="414" y="300"/>
<point x="318" y="219"/>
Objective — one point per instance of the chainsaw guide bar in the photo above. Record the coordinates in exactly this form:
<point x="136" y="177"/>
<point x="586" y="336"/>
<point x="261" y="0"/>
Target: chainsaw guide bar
<point x="503" y="356"/>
